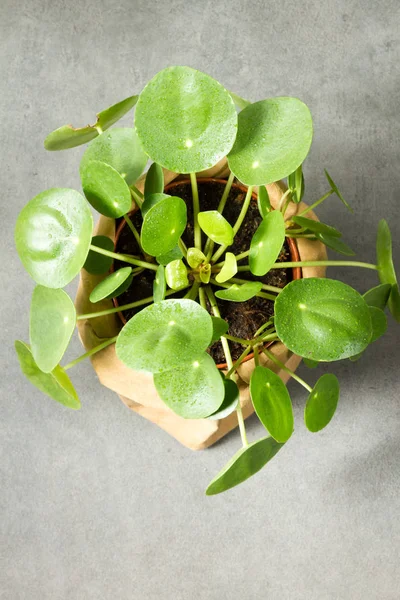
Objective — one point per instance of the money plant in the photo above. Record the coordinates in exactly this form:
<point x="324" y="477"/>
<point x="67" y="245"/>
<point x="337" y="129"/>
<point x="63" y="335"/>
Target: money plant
<point x="186" y="121"/>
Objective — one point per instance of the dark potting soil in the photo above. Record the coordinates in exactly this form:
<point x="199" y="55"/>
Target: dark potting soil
<point x="244" y="318"/>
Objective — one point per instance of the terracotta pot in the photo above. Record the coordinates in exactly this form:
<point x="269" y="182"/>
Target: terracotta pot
<point x="294" y="253"/>
<point x="137" y="390"/>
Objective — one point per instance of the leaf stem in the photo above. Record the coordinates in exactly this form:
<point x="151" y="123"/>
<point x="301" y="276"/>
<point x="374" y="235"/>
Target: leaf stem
<point x="312" y="206"/>
<point x="238" y="223"/>
<point x="90" y="352"/>
<point x="196" y="210"/>
<point x="239" y="361"/>
<point x="182" y="247"/>
<point x="124" y="258"/>
<point x="256" y="356"/>
<point x="228" y="357"/>
<point x="317" y="263"/>
<point x="136" y="195"/>
<point x="285" y="368"/>
<point x="202" y="297"/>
<point x="133" y="229"/>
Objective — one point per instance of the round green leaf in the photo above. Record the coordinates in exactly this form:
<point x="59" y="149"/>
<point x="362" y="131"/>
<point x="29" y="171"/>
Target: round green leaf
<point x="267" y="243"/>
<point x="52" y="322"/>
<point x="229" y="268"/>
<point x="379" y="323"/>
<point x="386" y="271"/>
<point x="263" y="201"/>
<point x="335" y="243"/>
<point x="105" y="189"/>
<point x="240" y="293"/>
<point x="322" y="402"/>
<point x="185" y="120"/>
<point x="174" y="254"/>
<point x="56" y="384"/>
<point x="68" y="136"/>
<point x="176" y="275"/>
<point x="273" y="139"/>
<point x="316" y="226"/>
<point x="378" y="296"/>
<point x="164" y="335"/>
<point x="337" y="192"/>
<point x="52" y="236"/>
<point x="154" y="183"/>
<point x="322" y="319"/>
<point x="231" y="400"/>
<point x="150" y="201"/>
<point x="195" y="258"/>
<point x="110" y="284"/>
<point x="271" y="401"/>
<point x="220" y="326"/>
<point x="163" y="225"/>
<point x="96" y="263"/>
<point x="245" y="463"/>
<point x="216" y="227"/>
<point x="121" y="288"/>
<point x="159" y="284"/>
<point x="194" y="390"/>
<point x="120" y="148"/>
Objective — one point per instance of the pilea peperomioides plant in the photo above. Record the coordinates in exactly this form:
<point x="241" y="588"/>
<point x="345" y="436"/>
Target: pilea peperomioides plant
<point x="186" y="122"/>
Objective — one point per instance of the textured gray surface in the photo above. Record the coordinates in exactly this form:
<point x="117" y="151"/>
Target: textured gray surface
<point x="101" y="504"/>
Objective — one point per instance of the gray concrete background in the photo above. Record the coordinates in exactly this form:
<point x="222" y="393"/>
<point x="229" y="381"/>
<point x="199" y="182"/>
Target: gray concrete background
<point x="100" y="504"/>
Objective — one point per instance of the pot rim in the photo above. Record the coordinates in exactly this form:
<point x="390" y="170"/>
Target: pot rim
<point x="293" y="249"/>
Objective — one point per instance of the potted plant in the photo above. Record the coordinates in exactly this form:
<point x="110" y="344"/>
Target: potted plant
<point x="205" y="272"/>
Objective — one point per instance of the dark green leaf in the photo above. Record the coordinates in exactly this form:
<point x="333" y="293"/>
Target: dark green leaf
<point x="194" y="390"/>
<point x="176" y="275"/>
<point x="337" y="192"/>
<point x="311" y="364"/>
<point x="219" y="328"/>
<point x="154" y="183"/>
<point x="386" y="271"/>
<point x="107" y="287"/>
<point x="105" y="189"/>
<point x="185" y="120"/>
<point x="322" y="319"/>
<point x="159" y="284"/>
<point x="378" y="296"/>
<point x="379" y="323"/>
<point x="240" y="293"/>
<point x="56" y="384"/>
<point x="174" y="254"/>
<point x="163" y="225"/>
<point x="121" y="288"/>
<point x="52" y="323"/>
<point x="231" y="400"/>
<point x="335" y="243"/>
<point x="96" y="263"/>
<point x="322" y="402"/>
<point x="216" y="227"/>
<point x="52" y="236"/>
<point x="245" y="463"/>
<point x="165" y="335"/>
<point x="316" y="226"/>
<point x="273" y="139"/>
<point x="271" y="401"/>
<point x="263" y="201"/>
<point x="267" y="243"/>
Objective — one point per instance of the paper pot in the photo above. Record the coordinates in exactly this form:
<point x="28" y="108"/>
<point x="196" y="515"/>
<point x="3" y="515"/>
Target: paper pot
<point x="137" y="390"/>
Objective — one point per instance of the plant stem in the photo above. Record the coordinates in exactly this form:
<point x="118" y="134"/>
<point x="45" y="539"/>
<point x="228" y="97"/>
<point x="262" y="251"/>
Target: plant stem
<point x="238" y="223"/>
<point x="209" y="247"/>
<point x="136" y="195"/>
<point x="317" y="263"/>
<point x="133" y="229"/>
<point x="196" y="210"/>
<point x="90" y="352"/>
<point x="110" y="311"/>
<point x="124" y="258"/>
<point x="238" y="340"/>
<point x="282" y="201"/>
<point x="261" y="329"/>
<point x="300" y="235"/>
<point x="228" y="357"/>
<point x="192" y="293"/>
<point x="259" y="294"/>
<point x="270" y="288"/>
<point x="256" y="357"/>
<point x="239" y="361"/>
<point x="202" y="297"/>
<point x="324" y="197"/>
<point x="182" y="246"/>
<point x="285" y="368"/>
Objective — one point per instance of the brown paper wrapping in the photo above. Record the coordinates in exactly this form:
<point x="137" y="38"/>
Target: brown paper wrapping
<point x="137" y="390"/>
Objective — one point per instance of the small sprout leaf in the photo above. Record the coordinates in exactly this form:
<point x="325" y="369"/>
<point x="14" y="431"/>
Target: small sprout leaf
<point x="105" y="189"/>
<point x="195" y="258"/>
<point x="263" y="201"/>
<point x="96" y="263"/>
<point x="154" y="183"/>
<point x="205" y="273"/>
<point x="240" y="293"/>
<point x="185" y="120"/>
<point x="52" y="236"/>
<point x="322" y="319"/>
<point x="56" y="384"/>
<point x="176" y="275"/>
<point x="163" y="225"/>
<point x="337" y="192"/>
<point x="266" y="243"/>
<point x="194" y="390"/>
<point x="271" y="401"/>
<point x="109" y="285"/>
<point x="216" y="227"/>
<point x="165" y="335"/>
<point x="229" y="268"/>
<point x="322" y="402"/>
<point x="273" y="139"/>
<point x="245" y="463"/>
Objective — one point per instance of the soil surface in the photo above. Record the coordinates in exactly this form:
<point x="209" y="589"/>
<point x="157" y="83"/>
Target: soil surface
<point x="244" y="318"/>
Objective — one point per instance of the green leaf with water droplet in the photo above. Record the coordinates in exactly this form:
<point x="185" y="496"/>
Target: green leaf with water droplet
<point x="271" y="401"/>
<point x="109" y="285"/>
<point x="52" y="323"/>
<point x="240" y="293"/>
<point x="163" y="225"/>
<point x="322" y="402"/>
<point x="151" y="200"/>
<point x="267" y="243"/>
<point x="229" y="268"/>
<point x="96" y="263"/>
<point x="176" y="275"/>
<point x="174" y="254"/>
<point x="105" y="189"/>
<point x="56" y="384"/>
<point x="216" y="227"/>
<point x="245" y="463"/>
